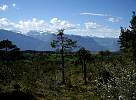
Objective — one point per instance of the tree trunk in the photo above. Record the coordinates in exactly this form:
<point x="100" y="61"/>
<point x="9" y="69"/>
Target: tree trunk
<point x="63" y="69"/>
<point x="6" y="55"/>
<point x="82" y="67"/>
<point x="85" y="81"/>
<point x="62" y="58"/>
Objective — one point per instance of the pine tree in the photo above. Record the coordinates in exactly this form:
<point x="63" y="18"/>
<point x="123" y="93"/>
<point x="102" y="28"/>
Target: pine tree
<point x="84" y="56"/>
<point x="128" y="39"/>
<point x="64" y="44"/>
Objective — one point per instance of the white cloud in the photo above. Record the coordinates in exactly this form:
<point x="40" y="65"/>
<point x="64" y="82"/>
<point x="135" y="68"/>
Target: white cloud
<point x="6" y="24"/>
<point x="114" y="19"/>
<point x="94" y="29"/>
<point x="55" y="21"/>
<point x="109" y="18"/>
<point x="108" y="32"/>
<point x="91" y="25"/>
<point x="13" y="4"/>
<point x="61" y="24"/>
<point x="34" y="24"/>
<point x="101" y="31"/>
<point x="23" y="26"/>
<point x="3" y="7"/>
<point x="94" y="14"/>
<point x="87" y="29"/>
<point x="31" y="25"/>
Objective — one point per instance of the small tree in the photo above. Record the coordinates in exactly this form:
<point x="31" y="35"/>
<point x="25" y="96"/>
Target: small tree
<point x="84" y="57"/>
<point x="64" y="44"/>
<point x="8" y="50"/>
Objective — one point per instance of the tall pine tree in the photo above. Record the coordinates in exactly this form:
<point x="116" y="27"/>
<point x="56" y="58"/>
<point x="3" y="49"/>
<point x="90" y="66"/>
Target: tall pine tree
<point x="63" y="44"/>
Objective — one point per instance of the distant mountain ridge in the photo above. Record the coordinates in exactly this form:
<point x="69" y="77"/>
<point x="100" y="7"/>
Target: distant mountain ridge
<point x="41" y="41"/>
<point x="23" y="42"/>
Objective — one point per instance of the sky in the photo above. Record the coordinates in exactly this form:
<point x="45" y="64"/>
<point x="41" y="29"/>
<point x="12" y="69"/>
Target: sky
<point x="101" y="18"/>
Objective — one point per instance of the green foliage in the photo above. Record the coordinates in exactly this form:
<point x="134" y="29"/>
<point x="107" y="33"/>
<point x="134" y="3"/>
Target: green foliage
<point x="84" y="56"/>
<point x="9" y="51"/>
<point x="128" y="39"/>
<point x="6" y="44"/>
<point x="43" y="77"/>
<point x="63" y="43"/>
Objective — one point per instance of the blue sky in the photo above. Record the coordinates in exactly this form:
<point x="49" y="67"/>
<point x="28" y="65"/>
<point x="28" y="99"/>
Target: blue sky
<point x="102" y="18"/>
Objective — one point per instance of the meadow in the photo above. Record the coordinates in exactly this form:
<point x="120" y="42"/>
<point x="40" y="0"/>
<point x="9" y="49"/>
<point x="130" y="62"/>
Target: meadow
<point x="109" y="77"/>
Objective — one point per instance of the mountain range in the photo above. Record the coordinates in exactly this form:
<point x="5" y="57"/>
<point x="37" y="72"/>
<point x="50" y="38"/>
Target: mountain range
<point x="41" y="41"/>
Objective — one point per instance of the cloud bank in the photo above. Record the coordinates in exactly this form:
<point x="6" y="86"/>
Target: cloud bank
<point x="87" y="29"/>
<point x="25" y="26"/>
